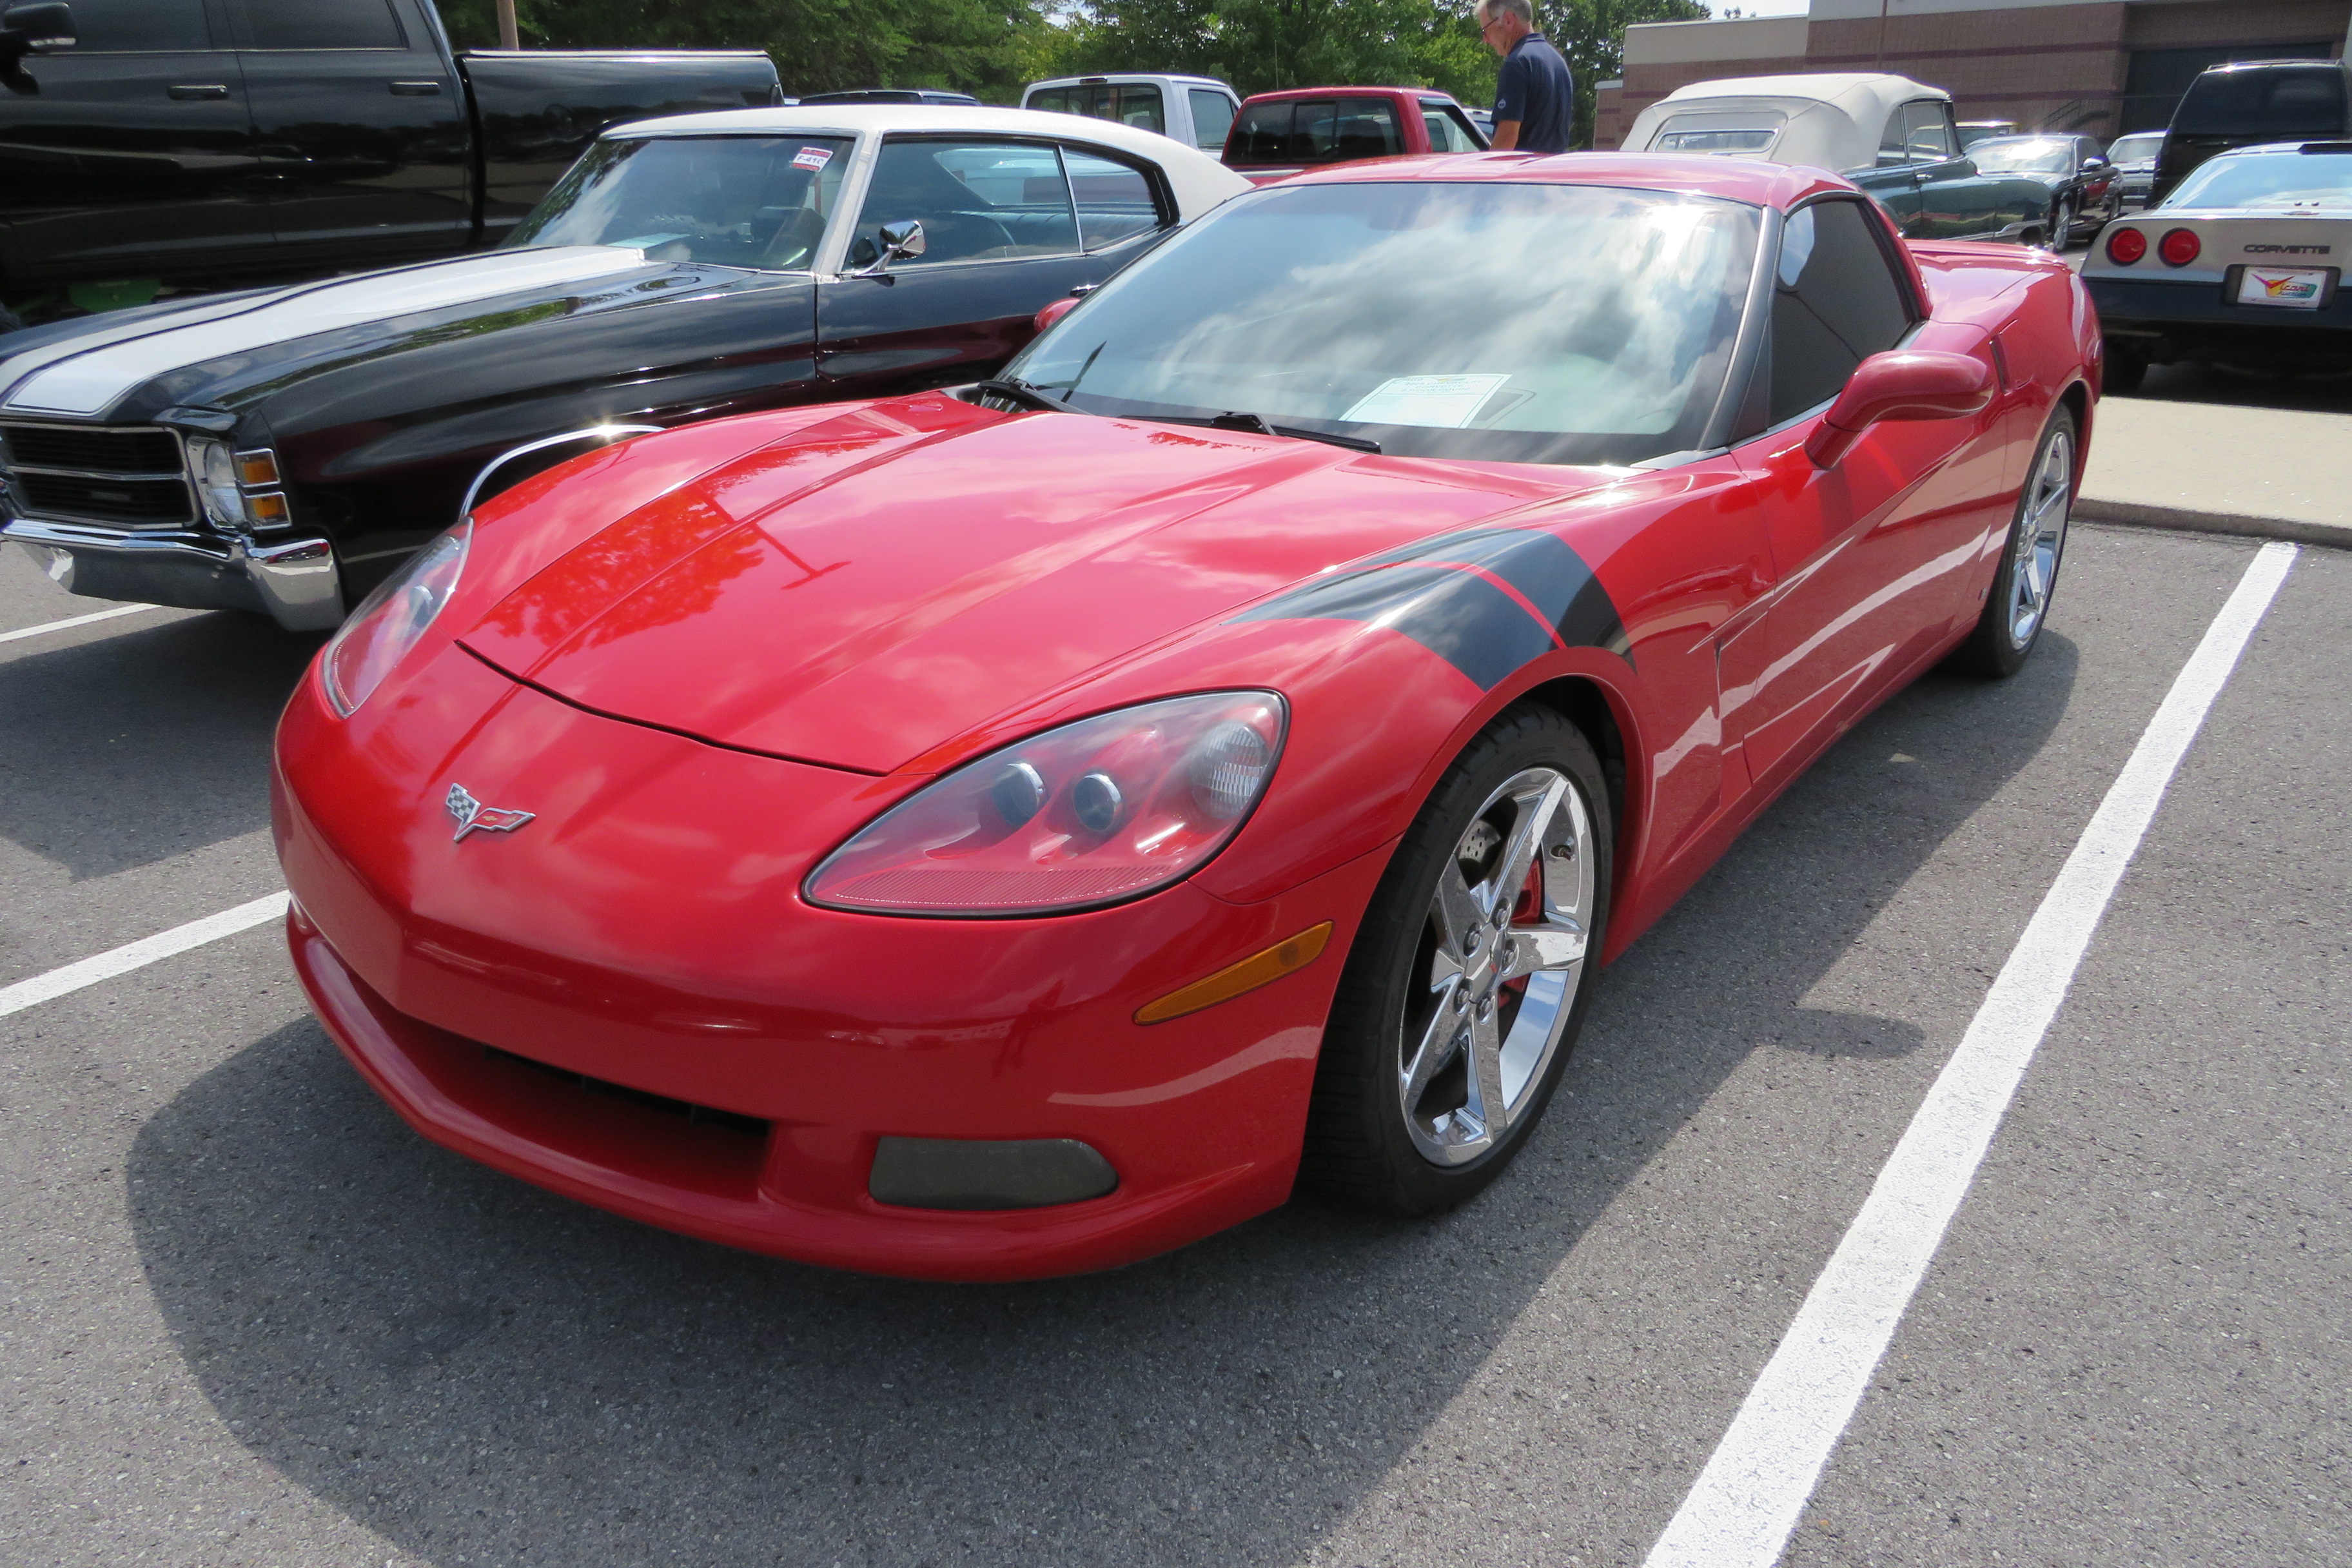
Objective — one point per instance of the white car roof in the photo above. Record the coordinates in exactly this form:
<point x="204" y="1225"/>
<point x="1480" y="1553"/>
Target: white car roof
<point x="1198" y="181"/>
<point x="1833" y="119"/>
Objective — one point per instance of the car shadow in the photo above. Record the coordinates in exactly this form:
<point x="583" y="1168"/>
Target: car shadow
<point x="480" y="1371"/>
<point x="145" y="743"/>
<point x="2248" y="388"/>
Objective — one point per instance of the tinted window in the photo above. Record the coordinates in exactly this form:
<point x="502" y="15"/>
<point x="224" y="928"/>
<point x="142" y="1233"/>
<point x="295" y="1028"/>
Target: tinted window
<point x="321" y="25"/>
<point x="1139" y="104"/>
<point x="2281" y="102"/>
<point x="1213" y="116"/>
<point x="111" y="25"/>
<point x="1371" y="308"/>
<point x="1115" y="200"/>
<point x="1835" y="302"/>
<point x="1054" y="99"/>
<point x="1262" y="134"/>
<point x="740" y="201"/>
<point x="976" y="201"/>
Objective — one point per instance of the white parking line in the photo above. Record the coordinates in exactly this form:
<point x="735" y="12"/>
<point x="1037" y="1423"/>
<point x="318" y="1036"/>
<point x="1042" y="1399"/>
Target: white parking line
<point x="70" y="622"/>
<point x="137" y="954"/>
<point x="1745" y="1501"/>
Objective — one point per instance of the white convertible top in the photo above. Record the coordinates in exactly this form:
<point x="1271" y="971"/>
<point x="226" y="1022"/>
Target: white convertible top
<point x="1830" y="121"/>
<point x="1198" y="181"/>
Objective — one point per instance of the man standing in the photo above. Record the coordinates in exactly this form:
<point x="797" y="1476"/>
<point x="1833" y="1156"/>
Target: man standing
<point x="1535" y="98"/>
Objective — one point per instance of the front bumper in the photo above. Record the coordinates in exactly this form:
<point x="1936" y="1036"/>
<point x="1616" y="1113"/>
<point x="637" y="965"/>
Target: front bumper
<point x="294" y="582"/>
<point x="626" y="1002"/>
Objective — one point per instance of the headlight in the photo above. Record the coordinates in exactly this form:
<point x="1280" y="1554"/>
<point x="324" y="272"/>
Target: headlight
<point x="237" y="488"/>
<point x="388" y="624"/>
<point x="1077" y="818"/>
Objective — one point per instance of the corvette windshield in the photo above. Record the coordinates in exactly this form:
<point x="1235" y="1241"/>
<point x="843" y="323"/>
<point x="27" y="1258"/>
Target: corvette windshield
<point x="2313" y="180"/>
<point x="739" y="201"/>
<point x="1521" y="322"/>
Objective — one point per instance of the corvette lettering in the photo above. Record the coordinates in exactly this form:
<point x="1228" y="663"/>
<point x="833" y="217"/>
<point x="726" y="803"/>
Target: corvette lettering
<point x="472" y="814"/>
<point x="2289" y="249"/>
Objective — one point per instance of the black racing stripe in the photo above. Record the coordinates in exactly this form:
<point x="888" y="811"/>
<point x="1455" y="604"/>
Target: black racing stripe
<point x="1460" y="617"/>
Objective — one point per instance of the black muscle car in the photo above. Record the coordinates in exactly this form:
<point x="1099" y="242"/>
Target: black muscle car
<point x="284" y="450"/>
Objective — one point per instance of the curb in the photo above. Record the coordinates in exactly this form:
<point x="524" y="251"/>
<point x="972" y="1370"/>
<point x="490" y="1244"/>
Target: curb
<point x="2139" y="514"/>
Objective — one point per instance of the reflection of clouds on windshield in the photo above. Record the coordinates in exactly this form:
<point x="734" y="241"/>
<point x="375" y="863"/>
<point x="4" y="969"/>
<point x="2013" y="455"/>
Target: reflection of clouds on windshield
<point x="1601" y="306"/>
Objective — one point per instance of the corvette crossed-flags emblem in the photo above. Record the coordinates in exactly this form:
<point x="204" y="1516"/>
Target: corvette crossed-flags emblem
<point x="472" y="814"/>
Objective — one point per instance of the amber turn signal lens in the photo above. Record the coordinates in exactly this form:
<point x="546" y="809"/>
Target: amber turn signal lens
<point x="2179" y="247"/>
<point x="267" y="509"/>
<point x="256" y="467"/>
<point x="1258" y="969"/>
<point x="2126" y="245"/>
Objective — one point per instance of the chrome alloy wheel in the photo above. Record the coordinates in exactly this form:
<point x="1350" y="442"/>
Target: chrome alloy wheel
<point x="1497" y="967"/>
<point x="2041" y="538"/>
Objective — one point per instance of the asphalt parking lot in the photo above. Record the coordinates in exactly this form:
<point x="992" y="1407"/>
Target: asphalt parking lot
<point x="250" y="1318"/>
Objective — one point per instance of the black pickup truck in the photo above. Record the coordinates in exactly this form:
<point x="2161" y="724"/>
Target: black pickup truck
<point x="204" y="142"/>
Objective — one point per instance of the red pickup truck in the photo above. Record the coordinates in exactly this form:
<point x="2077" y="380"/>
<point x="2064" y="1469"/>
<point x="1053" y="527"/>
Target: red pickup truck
<point x="1280" y="133"/>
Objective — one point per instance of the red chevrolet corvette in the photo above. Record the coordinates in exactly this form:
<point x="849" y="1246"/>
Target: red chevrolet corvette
<point x="1017" y="830"/>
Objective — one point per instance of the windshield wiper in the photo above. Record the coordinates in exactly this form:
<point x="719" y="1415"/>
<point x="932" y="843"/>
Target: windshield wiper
<point x="1014" y="390"/>
<point x="1256" y="424"/>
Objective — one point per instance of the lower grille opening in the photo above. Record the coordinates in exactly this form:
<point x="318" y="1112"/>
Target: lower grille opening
<point x="692" y="1114"/>
<point x="100" y="450"/>
<point x="154" y="504"/>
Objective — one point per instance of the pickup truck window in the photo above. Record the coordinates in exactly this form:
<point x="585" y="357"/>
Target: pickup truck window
<point x="126" y="26"/>
<point x="1213" y="116"/>
<point x="321" y="25"/>
<point x="760" y="202"/>
<point x="1136" y="103"/>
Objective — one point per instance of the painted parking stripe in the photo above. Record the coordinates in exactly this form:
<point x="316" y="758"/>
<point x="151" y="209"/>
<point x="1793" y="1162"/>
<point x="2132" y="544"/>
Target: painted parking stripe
<point x="1745" y="1501"/>
<point x="72" y="621"/>
<point x="137" y="954"/>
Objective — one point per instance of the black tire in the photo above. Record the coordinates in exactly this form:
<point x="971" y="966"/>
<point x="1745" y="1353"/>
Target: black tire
<point x="2004" y="636"/>
<point x="1359" y="1146"/>
<point x="2127" y="368"/>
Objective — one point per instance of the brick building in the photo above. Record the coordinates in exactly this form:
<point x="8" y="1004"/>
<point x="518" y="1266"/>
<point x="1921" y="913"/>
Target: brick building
<point x="2099" y="66"/>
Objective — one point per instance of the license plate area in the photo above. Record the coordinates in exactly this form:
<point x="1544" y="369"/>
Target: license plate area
<point x="2281" y="287"/>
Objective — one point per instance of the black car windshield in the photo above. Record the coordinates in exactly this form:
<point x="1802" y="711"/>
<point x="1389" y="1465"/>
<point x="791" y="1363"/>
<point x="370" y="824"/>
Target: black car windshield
<point x="2313" y="180"/>
<point x="739" y="201"/>
<point x="2025" y="156"/>
<point x="1519" y="323"/>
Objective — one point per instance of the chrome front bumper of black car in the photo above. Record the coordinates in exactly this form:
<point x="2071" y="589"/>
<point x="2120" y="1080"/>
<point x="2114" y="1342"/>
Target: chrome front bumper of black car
<point x="294" y="582"/>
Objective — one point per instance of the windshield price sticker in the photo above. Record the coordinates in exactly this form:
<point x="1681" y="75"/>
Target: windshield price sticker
<point x="2296" y="288"/>
<point x="1440" y="402"/>
<point x="812" y="157"/>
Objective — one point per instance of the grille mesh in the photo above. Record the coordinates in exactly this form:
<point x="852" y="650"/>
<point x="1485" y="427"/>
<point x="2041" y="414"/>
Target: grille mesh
<point x="99" y="451"/>
<point x="129" y="477"/>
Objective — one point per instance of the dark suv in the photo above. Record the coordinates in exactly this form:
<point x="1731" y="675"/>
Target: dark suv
<point x="2250" y="102"/>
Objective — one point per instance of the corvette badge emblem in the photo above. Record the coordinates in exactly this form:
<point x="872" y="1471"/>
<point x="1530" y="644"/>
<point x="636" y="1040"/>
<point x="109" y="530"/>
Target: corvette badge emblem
<point x="472" y="814"/>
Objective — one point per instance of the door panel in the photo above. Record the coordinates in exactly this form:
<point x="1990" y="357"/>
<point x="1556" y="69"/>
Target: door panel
<point x="363" y="128"/>
<point x="134" y="155"/>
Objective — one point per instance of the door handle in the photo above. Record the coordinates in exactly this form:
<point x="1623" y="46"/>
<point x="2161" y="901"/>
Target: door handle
<point x="417" y="90"/>
<point x="187" y="90"/>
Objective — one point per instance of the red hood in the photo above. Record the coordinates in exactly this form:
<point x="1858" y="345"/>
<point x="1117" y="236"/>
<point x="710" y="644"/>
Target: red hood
<point x="864" y="589"/>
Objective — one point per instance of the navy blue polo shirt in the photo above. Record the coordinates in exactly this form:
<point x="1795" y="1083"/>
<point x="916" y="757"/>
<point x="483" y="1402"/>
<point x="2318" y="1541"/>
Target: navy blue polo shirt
<point x="1535" y="88"/>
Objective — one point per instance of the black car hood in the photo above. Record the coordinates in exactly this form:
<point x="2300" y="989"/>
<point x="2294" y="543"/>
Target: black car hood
<point x="234" y="352"/>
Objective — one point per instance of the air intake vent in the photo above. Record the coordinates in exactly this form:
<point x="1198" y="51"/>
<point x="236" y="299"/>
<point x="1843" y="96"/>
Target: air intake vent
<point x="128" y="477"/>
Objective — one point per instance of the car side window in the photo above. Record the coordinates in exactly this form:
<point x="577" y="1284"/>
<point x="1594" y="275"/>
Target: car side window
<point x="1115" y="200"/>
<point x="1929" y="135"/>
<point x="321" y="25"/>
<point x="977" y="201"/>
<point x="1445" y="133"/>
<point x="125" y="27"/>
<point x="1213" y="116"/>
<point x="1835" y="302"/>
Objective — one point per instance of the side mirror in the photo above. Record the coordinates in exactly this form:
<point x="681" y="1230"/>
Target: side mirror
<point x="1055" y="312"/>
<point x="35" y="29"/>
<point x="899" y="241"/>
<point x="1907" y="384"/>
<point x="2094" y="163"/>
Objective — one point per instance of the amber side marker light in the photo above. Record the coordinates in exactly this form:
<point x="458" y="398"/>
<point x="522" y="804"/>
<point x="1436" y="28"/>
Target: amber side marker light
<point x="1285" y="957"/>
